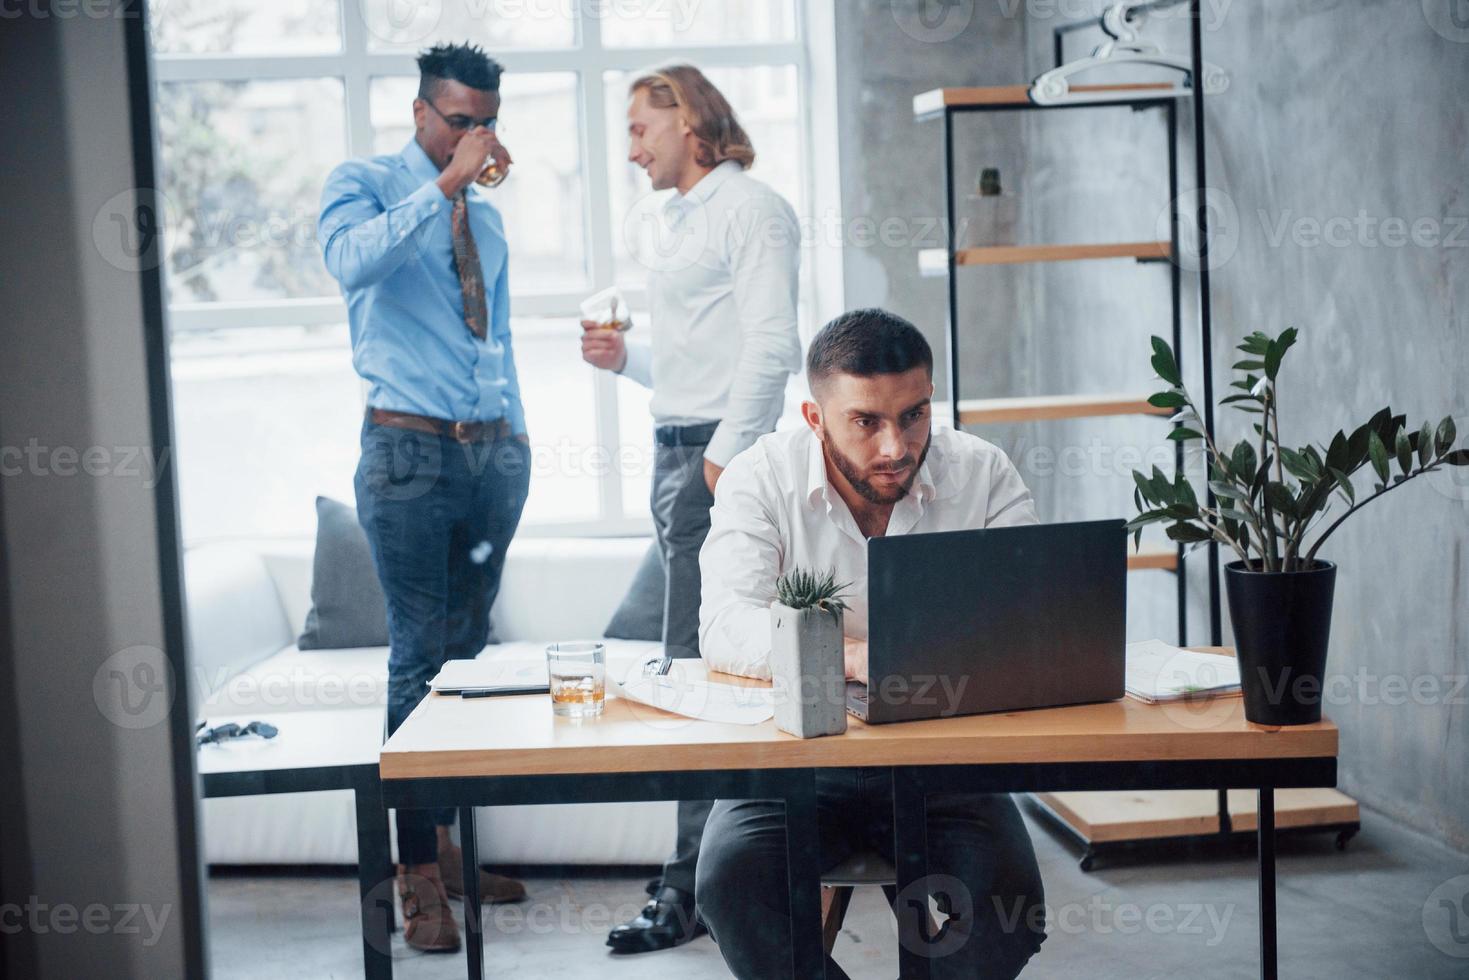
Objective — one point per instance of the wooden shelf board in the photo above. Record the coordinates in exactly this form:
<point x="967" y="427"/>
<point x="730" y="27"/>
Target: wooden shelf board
<point x="934" y="261"/>
<point x="978" y="411"/>
<point x="1156" y="814"/>
<point x="1165" y="559"/>
<point x="936" y="100"/>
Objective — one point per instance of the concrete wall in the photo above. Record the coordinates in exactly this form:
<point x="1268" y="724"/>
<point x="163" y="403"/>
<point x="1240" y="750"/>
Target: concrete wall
<point x="1345" y="124"/>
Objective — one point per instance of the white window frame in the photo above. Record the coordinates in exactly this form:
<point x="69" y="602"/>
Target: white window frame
<point x="812" y="52"/>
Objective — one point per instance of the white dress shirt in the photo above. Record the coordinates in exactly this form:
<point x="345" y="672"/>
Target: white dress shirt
<point x="774" y="510"/>
<point x="722" y="299"/>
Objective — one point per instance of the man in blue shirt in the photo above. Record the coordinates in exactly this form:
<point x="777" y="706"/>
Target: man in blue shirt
<point x="420" y="253"/>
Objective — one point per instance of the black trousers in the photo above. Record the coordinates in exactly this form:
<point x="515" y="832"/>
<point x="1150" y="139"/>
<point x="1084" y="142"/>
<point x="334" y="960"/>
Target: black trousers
<point x="983" y="874"/>
<point x="680" y="504"/>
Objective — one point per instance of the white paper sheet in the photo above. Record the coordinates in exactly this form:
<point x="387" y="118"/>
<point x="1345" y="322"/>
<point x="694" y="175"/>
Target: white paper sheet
<point x="1158" y="671"/>
<point x="695" y="697"/>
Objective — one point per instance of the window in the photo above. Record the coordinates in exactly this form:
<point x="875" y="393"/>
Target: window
<point x="256" y="104"/>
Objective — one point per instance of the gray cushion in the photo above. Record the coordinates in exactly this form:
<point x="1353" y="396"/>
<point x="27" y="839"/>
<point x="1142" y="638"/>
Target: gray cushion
<point x="347" y="604"/>
<point x="640" y="616"/>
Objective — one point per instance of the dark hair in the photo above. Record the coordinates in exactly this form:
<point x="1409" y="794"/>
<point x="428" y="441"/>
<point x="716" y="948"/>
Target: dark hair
<point x="464" y="63"/>
<point x="865" y="343"/>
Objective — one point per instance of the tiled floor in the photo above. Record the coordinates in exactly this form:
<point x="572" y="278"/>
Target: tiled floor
<point x="1357" y="915"/>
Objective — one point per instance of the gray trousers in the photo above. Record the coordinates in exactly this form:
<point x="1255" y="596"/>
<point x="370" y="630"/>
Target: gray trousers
<point x="680" y="504"/>
<point x="982" y="871"/>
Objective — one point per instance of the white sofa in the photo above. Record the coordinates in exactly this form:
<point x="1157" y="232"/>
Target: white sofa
<point x="246" y="606"/>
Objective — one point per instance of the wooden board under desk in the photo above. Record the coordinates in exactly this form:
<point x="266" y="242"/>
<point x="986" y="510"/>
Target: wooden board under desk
<point x="506" y="736"/>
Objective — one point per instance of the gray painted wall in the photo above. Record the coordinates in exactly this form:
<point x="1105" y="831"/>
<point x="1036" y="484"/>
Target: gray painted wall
<point x="1346" y="112"/>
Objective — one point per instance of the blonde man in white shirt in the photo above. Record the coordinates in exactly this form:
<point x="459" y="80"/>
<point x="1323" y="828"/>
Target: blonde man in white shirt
<point x="724" y="340"/>
<point x="867" y="463"/>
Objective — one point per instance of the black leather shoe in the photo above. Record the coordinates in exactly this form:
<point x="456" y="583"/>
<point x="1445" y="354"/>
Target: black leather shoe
<point x="667" y="920"/>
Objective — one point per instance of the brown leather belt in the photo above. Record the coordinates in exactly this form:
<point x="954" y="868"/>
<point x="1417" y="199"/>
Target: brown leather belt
<point x="458" y="431"/>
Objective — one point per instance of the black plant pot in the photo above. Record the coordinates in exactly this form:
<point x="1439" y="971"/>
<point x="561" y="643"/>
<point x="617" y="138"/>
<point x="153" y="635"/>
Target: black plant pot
<point x="1282" y="623"/>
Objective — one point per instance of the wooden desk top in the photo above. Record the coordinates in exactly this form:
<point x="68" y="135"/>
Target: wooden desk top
<point x="508" y="736"/>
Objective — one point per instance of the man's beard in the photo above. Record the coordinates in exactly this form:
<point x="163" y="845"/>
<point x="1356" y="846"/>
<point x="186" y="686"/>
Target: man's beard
<point x="863" y="486"/>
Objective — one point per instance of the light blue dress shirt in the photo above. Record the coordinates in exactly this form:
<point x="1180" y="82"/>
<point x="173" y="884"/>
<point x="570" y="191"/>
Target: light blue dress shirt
<point x="386" y="238"/>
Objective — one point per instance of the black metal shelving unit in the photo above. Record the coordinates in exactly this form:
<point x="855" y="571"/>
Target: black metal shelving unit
<point x="947" y="105"/>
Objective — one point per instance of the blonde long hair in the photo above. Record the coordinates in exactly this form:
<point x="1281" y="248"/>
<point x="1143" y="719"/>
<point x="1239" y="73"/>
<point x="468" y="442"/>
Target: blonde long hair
<point x="705" y="109"/>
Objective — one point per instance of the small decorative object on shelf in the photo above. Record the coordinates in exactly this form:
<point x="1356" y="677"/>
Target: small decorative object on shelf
<point x="991" y="214"/>
<point x="807" y="665"/>
<point x="1268" y="498"/>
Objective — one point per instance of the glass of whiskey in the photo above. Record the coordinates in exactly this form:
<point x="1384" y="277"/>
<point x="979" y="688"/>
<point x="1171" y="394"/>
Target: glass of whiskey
<point x="578" y="678"/>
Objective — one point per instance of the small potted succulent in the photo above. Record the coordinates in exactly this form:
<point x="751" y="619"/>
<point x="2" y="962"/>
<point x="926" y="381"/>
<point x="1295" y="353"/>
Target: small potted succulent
<point x="807" y="667"/>
<point x="1267" y="499"/>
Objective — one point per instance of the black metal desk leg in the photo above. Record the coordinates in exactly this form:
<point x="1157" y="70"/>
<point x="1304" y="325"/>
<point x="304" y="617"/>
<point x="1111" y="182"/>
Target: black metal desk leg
<point x="910" y="854"/>
<point x="1267" y="884"/>
<point x="803" y="869"/>
<point x="474" y="938"/>
<point x="375" y="880"/>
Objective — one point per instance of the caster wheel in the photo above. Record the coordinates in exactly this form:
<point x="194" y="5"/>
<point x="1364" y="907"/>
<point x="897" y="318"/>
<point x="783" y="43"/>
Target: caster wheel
<point x="1086" y="863"/>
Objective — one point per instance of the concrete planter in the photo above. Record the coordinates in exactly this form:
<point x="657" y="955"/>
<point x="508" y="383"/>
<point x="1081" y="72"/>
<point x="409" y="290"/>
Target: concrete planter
<point x="808" y="671"/>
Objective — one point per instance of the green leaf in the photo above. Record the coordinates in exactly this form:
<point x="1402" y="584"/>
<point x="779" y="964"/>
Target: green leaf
<point x="1444" y="438"/>
<point x="1164" y="363"/>
<point x="1404" y="449"/>
<point x="1144" y="487"/>
<point x="1279" y="497"/>
<point x="1273" y="354"/>
<point x="1137" y="498"/>
<point x="1425" y="444"/>
<point x="1238" y="398"/>
<point x="1187" y="533"/>
<point x="1182" y="433"/>
<point x="1167" y="399"/>
<point x="1226" y="490"/>
<point x="1378" y="452"/>
<point x="1162" y="488"/>
<point x="1242" y="460"/>
<point x="1298" y="464"/>
<point x="1255" y="343"/>
<point x="1459" y="457"/>
<point x="1248" y="365"/>
<point x="1183" y="491"/>
<point x="1345" y="482"/>
<point x="1337" y="452"/>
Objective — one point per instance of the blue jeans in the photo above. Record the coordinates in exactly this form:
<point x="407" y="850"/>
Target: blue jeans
<point x="438" y="515"/>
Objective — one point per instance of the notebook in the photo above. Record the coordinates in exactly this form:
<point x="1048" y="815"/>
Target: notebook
<point x="1158" y="672"/>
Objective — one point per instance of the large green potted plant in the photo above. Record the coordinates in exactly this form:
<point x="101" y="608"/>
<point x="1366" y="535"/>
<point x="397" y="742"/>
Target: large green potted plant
<point x="1268" y="499"/>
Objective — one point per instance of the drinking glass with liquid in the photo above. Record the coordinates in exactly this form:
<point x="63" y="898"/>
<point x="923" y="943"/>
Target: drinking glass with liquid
<point x="578" y="678"/>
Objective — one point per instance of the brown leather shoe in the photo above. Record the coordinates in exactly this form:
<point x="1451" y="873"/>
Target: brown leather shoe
<point x="428" y="925"/>
<point x="493" y="889"/>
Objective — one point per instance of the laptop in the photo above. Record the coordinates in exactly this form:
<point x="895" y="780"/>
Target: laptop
<point x="997" y="619"/>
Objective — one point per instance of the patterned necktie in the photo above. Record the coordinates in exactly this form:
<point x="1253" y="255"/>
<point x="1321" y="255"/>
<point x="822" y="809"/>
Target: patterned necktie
<point x="466" y="263"/>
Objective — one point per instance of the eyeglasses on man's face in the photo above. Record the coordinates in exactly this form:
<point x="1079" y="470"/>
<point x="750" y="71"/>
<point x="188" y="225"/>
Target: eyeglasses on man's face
<point x="459" y="122"/>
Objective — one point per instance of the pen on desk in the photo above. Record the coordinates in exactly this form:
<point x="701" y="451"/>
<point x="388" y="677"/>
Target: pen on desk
<point x="492" y="692"/>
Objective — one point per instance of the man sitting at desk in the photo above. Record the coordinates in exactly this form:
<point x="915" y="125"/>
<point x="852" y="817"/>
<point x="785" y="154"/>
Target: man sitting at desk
<point x="868" y="462"/>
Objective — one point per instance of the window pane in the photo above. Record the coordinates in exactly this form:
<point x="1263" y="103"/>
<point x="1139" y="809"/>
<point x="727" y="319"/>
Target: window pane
<point x="542" y="201"/>
<point x="561" y="416"/>
<point x="641" y="23"/>
<point x="393" y="25"/>
<point x="266" y="419"/>
<point x="245" y="26"/>
<point x="243" y="165"/>
<point x="767" y="103"/>
<point x="635" y="423"/>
